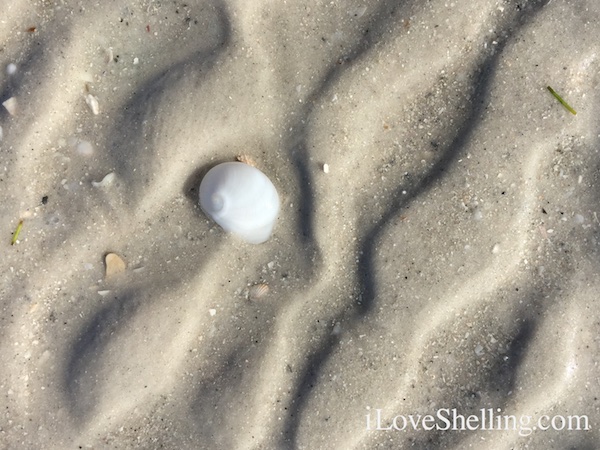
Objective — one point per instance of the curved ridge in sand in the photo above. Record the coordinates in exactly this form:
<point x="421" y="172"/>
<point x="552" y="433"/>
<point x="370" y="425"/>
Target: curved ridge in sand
<point x="447" y="260"/>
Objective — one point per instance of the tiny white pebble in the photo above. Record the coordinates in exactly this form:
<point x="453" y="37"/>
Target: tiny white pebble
<point x="11" y="69"/>
<point x="326" y="168"/>
<point x="496" y="249"/>
<point x="136" y="61"/>
<point x="212" y="312"/>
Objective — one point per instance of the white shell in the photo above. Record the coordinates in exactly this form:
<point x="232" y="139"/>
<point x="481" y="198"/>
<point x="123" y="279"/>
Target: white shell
<point x="241" y="199"/>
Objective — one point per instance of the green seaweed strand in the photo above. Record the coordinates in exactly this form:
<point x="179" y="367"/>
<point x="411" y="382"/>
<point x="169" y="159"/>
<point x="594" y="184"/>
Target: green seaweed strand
<point x="562" y="102"/>
<point x="16" y="233"/>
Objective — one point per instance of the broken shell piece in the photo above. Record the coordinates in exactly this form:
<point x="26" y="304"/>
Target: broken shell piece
<point x="106" y="181"/>
<point x="246" y="160"/>
<point x="93" y="104"/>
<point x="258" y="291"/>
<point x="114" y="265"/>
<point x="11" y="105"/>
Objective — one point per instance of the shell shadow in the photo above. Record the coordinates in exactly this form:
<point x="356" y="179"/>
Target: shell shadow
<point x="94" y="337"/>
<point x="192" y="183"/>
<point x="130" y="146"/>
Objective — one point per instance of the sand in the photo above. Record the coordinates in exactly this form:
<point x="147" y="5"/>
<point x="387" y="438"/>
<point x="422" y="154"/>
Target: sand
<point x="436" y="256"/>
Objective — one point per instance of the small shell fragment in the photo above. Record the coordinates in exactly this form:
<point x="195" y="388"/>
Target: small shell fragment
<point x="114" y="265"/>
<point x="326" y="168"/>
<point x="246" y="160"/>
<point x="92" y="102"/>
<point x="106" y="181"/>
<point x="258" y="291"/>
<point x="11" y="105"/>
<point x="358" y="12"/>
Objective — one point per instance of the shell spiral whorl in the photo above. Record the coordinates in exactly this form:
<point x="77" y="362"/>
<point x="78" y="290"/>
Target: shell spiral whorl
<point x="217" y="202"/>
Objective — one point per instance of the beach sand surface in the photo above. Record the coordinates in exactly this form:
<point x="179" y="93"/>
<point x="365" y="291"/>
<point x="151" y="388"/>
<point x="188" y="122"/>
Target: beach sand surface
<point x="436" y="256"/>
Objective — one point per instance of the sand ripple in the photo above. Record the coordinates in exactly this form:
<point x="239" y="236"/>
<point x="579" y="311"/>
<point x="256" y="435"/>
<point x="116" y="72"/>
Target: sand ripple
<point x="448" y="259"/>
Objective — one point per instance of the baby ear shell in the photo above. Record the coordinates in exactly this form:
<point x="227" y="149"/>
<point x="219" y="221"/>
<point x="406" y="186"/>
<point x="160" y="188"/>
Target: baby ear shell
<point x="241" y="199"/>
